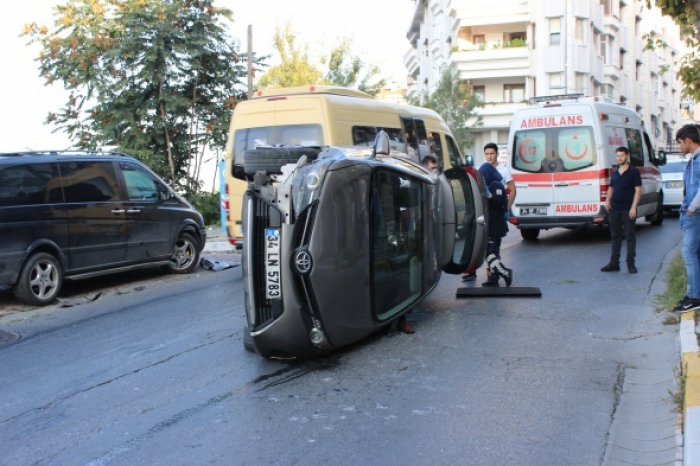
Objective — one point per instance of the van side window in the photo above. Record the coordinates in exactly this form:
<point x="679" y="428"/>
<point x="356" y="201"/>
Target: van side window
<point x="139" y="183"/>
<point x="636" y="147"/>
<point x="30" y="185"/>
<point x="89" y="181"/>
<point x="416" y="137"/>
<point x="435" y="145"/>
<point x="453" y="152"/>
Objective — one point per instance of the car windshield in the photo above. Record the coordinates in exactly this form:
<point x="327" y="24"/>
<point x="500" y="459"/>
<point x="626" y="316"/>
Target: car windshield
<point x="554" y="149"/>
<point x="676" y="166"/>
<point x="396" y="227"/>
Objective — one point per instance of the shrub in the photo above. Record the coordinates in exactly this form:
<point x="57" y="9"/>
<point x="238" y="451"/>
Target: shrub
<point x="208" y="204"/>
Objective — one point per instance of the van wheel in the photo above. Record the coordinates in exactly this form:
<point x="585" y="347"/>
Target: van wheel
<point x="272" y="159"/>
<point x="185" y="254"/>
<point x="530" y="234"/>
<point x="657" y="217"/>
<point x="40" y="280"/>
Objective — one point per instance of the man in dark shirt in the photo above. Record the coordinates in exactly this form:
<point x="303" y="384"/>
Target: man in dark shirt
<point x="623" y="196"/>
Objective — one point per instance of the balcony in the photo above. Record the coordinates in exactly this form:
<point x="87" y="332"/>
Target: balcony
<point x="412" y="61"/>
<point x="623" y="86"/>
<point x="499" y="115"/>
<point x="467" y="13"/>
<point x="502" y="62"/>
<point x="623" y="38"/>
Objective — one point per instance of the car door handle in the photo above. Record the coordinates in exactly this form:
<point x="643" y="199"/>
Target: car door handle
<point x="561" y="185"/>
<point x="480" y="220"/>
<point x="133" y="211"/>
<point x="118" y="211"/>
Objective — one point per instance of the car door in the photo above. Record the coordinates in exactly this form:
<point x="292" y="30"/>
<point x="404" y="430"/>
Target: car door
<point x="464" y="222"/>
<point x="95" y="213"/>
<point x="149" y="233"/>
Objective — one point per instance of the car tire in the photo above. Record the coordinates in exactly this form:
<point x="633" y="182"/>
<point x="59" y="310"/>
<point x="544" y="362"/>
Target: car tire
<point x="248" y="340"/>
<point x="657" y="218"/>
<point x="530" y="234"/>
<point x="272" y="159"/>
<point x="40" y="280"/>
<point x="185" y="254"/>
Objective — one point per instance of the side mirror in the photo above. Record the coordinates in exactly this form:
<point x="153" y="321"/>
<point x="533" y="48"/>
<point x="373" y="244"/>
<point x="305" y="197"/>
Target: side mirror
<point x="661" y="158"/>
<point x="468" y="160"/>
<point x="381" y="144"/>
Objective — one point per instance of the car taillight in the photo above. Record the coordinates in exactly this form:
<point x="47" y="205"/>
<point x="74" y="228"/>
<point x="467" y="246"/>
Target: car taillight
<point x="604" y="181"/>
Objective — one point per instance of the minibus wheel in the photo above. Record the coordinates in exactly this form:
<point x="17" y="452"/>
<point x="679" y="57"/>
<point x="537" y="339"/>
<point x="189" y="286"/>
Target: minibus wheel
<point x="40" y="280"/>
<point x="185" y="254"/>
<point x="530" y="234"/>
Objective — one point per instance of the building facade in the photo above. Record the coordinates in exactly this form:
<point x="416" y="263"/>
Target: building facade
<point x="508" y="51"/>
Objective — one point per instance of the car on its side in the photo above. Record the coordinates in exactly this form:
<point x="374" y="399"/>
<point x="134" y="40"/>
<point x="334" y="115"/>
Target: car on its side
<point x="672" y="177"/>
<point x="347" y="240"/>
<point x="77" y="215"/>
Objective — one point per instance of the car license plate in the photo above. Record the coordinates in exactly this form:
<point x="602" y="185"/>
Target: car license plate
<point x="273" y="283"/>
<point x="674" y="184"/>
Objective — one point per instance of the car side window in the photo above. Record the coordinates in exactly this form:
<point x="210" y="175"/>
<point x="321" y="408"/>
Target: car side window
<point x="89" y="181"/>
<point x="30" y="185"/>
<point x="140" y="184"/>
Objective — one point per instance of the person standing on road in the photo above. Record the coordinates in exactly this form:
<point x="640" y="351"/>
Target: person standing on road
<point x="688" y="138"/>
<point x="498" y="227"/>
<point x="624" y="194"/>
<point x="491" y="157"/>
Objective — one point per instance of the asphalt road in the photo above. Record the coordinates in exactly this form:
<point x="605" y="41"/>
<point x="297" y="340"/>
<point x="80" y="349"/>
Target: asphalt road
<point x="154" y="372"/>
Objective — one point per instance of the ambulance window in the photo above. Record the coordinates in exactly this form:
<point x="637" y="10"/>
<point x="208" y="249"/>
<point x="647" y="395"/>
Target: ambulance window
<point x="576" y="148"/>
<point x="529" y="148"/>
<point x="636" y="147"/>
<point x="453" y="152"/>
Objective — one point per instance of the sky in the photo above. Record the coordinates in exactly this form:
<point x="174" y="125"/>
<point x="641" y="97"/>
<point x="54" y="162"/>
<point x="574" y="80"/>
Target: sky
<point x="377" y="29"/>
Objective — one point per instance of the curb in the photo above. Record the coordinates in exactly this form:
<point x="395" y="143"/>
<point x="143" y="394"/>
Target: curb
<point x="690" y="369"/>
<point x="219" y="246"/>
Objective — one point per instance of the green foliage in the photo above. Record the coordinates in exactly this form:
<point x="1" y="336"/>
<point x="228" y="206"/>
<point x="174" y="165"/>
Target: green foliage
<point x="295" y="69"/>
<point x="155" y="78"/>
<point x="676" y="283"/>
<point x="208" y="204"/>
<point x="515" y="43"/>
<point x="453" y="100"/>
<point x="348" y="70"/>
<point x="682" y="11"/>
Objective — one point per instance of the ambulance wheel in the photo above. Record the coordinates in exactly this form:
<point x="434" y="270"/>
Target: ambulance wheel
<point x="272" y="159"/>
<point x="530" y="234"/>
<point x="657" y="217"/>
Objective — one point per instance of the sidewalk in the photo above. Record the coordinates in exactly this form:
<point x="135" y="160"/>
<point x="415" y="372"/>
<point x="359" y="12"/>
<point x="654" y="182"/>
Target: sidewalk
<point x="217" y="242"/>
<point x="690" y="369"/>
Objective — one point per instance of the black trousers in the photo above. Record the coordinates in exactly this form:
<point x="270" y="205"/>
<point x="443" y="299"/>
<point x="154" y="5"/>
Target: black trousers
<point x="621" y="225"/>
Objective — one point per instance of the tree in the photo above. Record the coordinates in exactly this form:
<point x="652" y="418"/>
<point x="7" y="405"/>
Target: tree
<point x="156" y="78"/>
<point x="295" y="69"/>
<point x="687" y="16"/>
<point x="453" y="100"/>
<point x="348" y="70"/>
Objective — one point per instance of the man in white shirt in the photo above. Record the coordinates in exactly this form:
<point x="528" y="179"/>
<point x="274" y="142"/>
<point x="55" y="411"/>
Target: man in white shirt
<point x="491" y="157"/>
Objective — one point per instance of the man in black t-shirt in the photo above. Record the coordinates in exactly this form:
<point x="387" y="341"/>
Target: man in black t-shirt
<point x="623" y="197"/>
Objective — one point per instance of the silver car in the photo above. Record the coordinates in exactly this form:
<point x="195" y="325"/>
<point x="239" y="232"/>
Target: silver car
<point x="344" y="241"/>
<point x="672" y="176"/>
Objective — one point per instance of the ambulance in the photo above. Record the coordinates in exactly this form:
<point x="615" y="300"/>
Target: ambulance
<point x="561" y="153"/>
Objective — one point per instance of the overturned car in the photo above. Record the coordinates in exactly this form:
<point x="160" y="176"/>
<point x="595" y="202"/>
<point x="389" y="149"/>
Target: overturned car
<point x="341" y="242"/>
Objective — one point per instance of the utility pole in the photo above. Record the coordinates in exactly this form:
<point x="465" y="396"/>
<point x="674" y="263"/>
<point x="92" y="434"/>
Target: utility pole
<point x="250" y="61"/>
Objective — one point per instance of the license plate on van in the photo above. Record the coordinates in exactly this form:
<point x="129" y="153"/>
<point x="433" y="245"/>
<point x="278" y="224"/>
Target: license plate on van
<point x="273" y="285"/>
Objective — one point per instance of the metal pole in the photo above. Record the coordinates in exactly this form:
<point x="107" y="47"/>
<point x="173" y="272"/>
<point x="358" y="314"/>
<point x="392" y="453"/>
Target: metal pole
<point x="250" y="60"/>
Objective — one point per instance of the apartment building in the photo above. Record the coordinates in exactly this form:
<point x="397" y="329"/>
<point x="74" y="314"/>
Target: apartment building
<point x="508" y="51"/>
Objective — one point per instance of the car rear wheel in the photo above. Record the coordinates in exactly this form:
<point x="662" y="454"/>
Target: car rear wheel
<point x="272" y="159"/>
<point x="657" y="217"/>
<point x="530" y="234"/>
<point x="185" y="254"/>
<point x="40" y="280"/>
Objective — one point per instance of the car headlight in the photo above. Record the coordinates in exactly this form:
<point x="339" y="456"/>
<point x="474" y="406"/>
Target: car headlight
<point x="307" y="183"/>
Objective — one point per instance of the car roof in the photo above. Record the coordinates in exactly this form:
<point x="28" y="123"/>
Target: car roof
<point x="58" y="155"/>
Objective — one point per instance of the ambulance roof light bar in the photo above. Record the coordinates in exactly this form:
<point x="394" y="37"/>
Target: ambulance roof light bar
<point x="551" y="98"/>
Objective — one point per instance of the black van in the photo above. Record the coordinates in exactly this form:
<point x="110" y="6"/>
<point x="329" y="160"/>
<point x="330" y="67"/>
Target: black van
<point x="81" y="214"/>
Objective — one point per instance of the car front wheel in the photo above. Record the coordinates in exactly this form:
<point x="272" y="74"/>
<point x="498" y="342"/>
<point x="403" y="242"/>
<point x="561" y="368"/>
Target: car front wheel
<point x="40" y="280"/>
<point x="185" y="254"/>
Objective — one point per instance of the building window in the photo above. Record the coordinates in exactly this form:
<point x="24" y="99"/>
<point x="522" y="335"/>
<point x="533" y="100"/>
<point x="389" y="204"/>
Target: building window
<point x="580" y="35"/>
<point x="606" y="45"/>
<point x="555" y="31"/>
<point x="581" y="87"/>
<point x="513" y="92"/>
<point x="622" y="59"/>
<point x="607" y="6"/>
<point x="478" y="39"/>
<point x="556" y="83"/>
<point x="479" y="92"/>
<point x="511" y="36"/>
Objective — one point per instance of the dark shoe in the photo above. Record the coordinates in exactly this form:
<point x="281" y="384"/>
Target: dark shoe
<point x="687" y="304"/>
<point x="611" y="267"/>
<point x="508" y="276"/>
<point x="492" y="282"/>
<point x="404" y="326"/>
<point x="631" y="268"/>
<point x="468" y="277"/>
